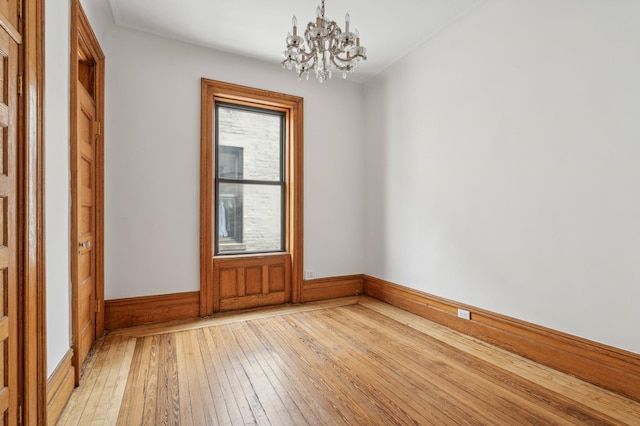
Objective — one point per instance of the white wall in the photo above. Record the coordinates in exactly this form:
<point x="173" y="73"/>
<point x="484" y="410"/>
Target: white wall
<point x="56" y="141"/>
<point x="502" y="166"/>
<point x="99" y="15"/>
<point x="152" y="161"/>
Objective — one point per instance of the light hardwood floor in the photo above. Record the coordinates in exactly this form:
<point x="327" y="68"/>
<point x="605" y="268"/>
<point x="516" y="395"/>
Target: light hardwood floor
<point x="347" y="361"/>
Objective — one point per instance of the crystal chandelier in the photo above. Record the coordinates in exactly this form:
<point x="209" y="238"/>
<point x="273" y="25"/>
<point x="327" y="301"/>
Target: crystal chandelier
<point x="327" y="48"/>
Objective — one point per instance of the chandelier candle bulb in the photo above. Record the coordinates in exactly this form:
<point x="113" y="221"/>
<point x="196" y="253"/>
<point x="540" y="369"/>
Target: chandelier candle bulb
<point x="347" y="19"/>
<point x="294" y="21"/>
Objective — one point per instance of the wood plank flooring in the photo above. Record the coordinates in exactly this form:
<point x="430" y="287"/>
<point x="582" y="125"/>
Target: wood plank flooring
<point x="347" y="361"/>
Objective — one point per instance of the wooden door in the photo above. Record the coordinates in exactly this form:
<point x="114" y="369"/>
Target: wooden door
<point x="85" y="214"/>
<point x="9" y="372"/>
<point x="87" y="196"/>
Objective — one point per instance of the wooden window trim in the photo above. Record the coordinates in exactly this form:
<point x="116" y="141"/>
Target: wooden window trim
<point x="219" y="91"/>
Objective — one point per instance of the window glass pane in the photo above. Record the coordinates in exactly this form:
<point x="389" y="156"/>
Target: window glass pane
<point x="249" y="218"/>
<point x="230" y="162"/>
<point x="250" y="144"/>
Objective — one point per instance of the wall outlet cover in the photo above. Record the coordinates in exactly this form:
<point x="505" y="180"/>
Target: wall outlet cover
<point x="464" y="314"/>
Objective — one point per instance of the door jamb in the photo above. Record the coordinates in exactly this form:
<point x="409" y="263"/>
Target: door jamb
<point x="83" y="37"/>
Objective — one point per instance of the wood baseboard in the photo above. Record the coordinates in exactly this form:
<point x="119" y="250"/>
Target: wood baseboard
<point x="131" y="312"/>
<point x="332" y="288"/>
<point x="611" y="368"/>
<point x="123" y="313"/>
<point x="59" y="387"/>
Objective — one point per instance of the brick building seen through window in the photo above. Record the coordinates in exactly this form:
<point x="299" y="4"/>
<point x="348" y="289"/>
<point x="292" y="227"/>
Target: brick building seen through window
<point x="249" y="183"/>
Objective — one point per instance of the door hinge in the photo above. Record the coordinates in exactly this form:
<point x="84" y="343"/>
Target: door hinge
<point x="97" y="128"/>
<point x="19" y="414"/>
<point x="20" y="84"/>
<point x="97" y="306"/>
<point x="19" y="8"/>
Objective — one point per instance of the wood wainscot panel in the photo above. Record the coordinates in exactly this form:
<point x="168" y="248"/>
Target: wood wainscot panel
<point x="252" y="281"/>
<point x="611" y="368"/>
<point x="130" y="312"/>
<point x="332" y="288"/>
<point x="59" y="387"/>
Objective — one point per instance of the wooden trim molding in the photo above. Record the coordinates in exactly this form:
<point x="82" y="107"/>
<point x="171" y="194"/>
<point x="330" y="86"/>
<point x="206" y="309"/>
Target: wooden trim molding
<point x="31" y="216"/>
<point x="212" y="91"/>
<point x="611" y="368"/>
<point x="59" y="387"/>
<point x="130" y="312"/>
<point x="332" y="288"/>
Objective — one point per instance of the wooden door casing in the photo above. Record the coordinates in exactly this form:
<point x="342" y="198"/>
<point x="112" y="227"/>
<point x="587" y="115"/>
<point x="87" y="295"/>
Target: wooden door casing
<point x="9" y="340"/>
<point x="251" y="282"/>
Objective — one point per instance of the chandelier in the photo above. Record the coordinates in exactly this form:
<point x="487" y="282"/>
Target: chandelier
<point x="327" y="48"/>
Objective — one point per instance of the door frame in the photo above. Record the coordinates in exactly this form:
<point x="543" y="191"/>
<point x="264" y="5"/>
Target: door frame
<point x="83" y="38"/>
<point x="32" y="392"/>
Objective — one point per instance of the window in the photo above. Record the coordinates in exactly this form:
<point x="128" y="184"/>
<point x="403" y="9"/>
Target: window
<point x="251" y="193"/>
<point x="230" y="165"/>
<point x="249" y="179"/>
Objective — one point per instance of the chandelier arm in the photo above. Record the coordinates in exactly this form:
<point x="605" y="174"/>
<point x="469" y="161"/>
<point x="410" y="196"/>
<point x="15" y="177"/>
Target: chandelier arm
<point x="302" y="71"/>
<point x="310" y="55"/>
<point x="336" y="49"/>
<point x="340" y="67"/>
<point x="344" y="62"/>
<point x="351" y="58"/>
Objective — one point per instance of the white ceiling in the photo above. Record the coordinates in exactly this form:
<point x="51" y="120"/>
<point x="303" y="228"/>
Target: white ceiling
<point x="257" y="28"/>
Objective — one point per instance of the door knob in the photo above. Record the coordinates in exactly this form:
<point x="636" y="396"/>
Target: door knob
<point x="86" y="244"/>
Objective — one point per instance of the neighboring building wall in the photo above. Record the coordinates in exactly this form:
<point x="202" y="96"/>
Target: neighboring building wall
<point x="259" y="137"/>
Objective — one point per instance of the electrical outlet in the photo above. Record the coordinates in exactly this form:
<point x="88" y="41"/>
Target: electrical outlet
<point x="464" y="314"/>
<point x="308" y="275"/>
